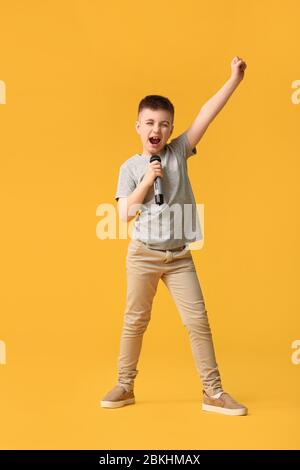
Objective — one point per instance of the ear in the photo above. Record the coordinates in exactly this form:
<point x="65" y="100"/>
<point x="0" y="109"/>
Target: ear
<point x="137" y="126"/>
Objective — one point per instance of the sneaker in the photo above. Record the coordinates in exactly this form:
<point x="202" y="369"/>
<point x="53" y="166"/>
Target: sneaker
<point x="225" y="404"/>
<point x="117" y="397"/>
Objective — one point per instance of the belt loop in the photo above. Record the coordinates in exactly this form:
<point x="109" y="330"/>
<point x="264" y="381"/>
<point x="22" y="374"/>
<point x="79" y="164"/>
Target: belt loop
<point x="169" y="256"/>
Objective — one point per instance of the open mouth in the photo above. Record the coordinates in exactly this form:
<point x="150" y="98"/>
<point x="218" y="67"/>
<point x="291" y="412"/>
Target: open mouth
<point x="154" y="140"/>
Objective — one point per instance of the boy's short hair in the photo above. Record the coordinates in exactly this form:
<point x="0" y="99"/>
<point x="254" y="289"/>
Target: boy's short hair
<point x="156" y="102"/>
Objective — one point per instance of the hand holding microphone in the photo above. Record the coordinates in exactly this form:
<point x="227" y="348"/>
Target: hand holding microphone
<point x="153" y="176"/>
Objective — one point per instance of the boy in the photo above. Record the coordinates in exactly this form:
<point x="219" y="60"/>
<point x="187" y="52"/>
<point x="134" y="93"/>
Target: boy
<point x="152" y="257"/>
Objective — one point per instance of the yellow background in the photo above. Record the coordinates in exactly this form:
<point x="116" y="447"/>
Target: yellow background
<point x="75" y="72"/>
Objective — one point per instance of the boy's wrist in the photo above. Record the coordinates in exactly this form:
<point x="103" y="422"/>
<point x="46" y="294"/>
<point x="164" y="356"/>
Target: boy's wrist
<point x="144" y="184"/>
<point x="235" y="79"/>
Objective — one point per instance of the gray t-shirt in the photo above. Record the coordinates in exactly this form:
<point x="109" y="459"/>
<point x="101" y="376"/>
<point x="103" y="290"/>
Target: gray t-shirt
<point x="175" y="222"/>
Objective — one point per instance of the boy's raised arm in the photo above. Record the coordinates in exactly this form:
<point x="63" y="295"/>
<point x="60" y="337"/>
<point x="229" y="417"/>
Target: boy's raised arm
<point x="214" y="105"/>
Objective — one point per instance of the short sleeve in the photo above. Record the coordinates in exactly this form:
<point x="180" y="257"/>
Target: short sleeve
<point x="126" y="183"/>
<point x="181" y="146"/>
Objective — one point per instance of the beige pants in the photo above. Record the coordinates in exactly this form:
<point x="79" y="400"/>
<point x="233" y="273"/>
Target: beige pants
<point x="144" y="268"/>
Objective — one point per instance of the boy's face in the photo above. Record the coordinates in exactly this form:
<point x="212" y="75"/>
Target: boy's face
<point x="154" y="123"/>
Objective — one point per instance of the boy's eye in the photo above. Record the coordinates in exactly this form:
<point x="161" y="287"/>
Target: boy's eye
<point x="150" y="123"/>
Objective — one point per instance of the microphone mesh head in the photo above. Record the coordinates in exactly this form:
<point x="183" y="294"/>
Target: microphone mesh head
<point x="155" y="158"/>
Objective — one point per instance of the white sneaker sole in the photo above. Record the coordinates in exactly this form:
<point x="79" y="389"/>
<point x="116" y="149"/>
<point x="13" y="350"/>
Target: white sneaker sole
<point x="225" y="411"/>
<point x="116" y="404"/>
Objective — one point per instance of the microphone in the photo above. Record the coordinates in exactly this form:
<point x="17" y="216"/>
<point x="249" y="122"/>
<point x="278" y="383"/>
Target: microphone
<point x="158" y="193"/>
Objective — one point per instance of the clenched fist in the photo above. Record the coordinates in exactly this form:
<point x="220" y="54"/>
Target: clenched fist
<point x="238" y="67"/>
<point x="154" y="169"/>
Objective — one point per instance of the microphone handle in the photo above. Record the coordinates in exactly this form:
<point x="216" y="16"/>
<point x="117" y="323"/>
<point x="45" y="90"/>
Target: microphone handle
<point x="158" y="193"/>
